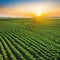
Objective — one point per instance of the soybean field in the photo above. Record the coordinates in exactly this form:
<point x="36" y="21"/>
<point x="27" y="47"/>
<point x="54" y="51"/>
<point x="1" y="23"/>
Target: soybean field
<point x="29" y="39"/>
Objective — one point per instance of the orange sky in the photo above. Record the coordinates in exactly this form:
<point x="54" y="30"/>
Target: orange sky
<point x="13" y="12"/>
<point x="30" y="9"/>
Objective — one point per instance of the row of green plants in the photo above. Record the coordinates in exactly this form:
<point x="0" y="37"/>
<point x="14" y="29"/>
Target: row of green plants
<point x="19" y="48"/>
<point x="31" y="44"/>
<point x="46" y="48"/>
<point x="3" y="51"/>
<point x="21" y="42"/>
<point x="16" y="53"/>
<point x="9" y="52"/>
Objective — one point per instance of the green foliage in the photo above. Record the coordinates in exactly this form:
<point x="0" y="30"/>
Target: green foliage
<point x="24" y="39"/>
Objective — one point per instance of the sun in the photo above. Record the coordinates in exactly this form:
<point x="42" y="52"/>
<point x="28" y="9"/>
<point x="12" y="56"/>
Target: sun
<point x="38" y="13"/>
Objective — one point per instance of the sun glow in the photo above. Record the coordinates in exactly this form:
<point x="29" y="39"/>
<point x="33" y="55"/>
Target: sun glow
<point x="38" y="13"/>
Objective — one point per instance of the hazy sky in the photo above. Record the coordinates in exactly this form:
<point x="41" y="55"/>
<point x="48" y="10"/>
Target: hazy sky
<point x="29" y="7"/>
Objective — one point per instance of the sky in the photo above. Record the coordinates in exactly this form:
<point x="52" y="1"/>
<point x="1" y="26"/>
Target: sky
<point x="29" y="7"/>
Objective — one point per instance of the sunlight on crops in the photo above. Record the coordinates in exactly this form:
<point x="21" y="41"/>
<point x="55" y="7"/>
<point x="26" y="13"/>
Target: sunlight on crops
<point x="42" y="20"/>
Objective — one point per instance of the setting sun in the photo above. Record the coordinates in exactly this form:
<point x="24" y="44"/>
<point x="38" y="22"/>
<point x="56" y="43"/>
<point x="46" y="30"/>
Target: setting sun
<point x="38" y="13"/>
